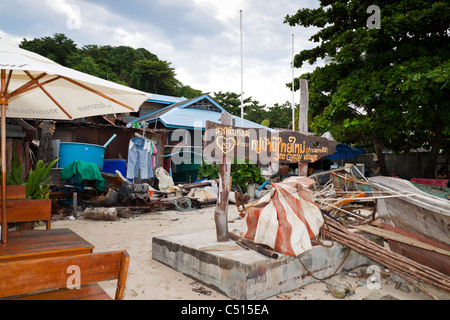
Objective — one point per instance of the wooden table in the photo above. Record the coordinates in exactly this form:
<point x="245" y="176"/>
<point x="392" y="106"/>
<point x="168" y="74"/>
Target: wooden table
<point x="43" y="243"/>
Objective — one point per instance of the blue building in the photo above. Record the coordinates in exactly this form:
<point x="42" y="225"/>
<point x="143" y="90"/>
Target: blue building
<point x="189" y="114"/>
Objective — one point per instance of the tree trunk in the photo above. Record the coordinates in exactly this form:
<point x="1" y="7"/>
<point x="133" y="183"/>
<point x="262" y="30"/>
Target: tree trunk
<point x="380" y="156"/>
<point x="434" y="153"/>
<point x="101" y="213"/>
<point x="45" y="152"/>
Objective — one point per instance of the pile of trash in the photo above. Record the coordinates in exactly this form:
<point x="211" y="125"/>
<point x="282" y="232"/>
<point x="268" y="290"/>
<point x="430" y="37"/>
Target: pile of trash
<point x="145" y="198"/>
<point x="349" y="206"/>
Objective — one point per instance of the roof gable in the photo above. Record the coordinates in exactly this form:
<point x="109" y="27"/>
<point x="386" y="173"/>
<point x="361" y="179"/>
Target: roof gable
<point x="192" y="113"/>
<point x="203" y="103"/>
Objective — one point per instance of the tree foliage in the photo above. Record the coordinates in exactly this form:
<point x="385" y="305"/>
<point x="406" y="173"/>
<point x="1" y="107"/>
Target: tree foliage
<point x="279" y="116"/>
<point x="242" y="173"/>
<point x="143" y="70"/>
<point x="137" y="68"/>
<point x="380" y="88"/>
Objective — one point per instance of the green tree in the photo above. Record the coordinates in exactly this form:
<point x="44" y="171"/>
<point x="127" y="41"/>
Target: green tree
<point x="280" y="115"/>
<point x="187" y="92"/>
<point x="154" y="76"/>
<point x="137" y="68"/>
<point x="57" y="48"/>
<point x="231" y="102"/>
<point x="254" y="111"/>
<point x="386" y="85"/>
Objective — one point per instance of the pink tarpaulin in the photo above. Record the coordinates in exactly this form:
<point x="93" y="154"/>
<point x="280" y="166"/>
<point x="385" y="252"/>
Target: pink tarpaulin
<point x="286" y="218"/>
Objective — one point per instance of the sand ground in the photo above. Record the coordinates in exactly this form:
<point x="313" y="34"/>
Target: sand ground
<point x="151" y="280"/>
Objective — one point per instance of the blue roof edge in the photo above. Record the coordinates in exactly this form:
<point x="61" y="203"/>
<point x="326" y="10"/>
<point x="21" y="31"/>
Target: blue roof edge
<point x="186" y="104"/>
<point x="161" y="101"/>
<point x="178" y="127"/>
<point x="203" y="97"/>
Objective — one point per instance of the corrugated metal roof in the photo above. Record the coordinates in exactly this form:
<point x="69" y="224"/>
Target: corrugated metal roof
<point x="159" y="98"/>
<point x="195" y="118"/>
<point x="180" y="115"/>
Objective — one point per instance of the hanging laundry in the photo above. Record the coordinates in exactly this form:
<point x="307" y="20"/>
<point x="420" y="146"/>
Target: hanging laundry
<point x="139" y="164"/>
<point x="155" y="151"/>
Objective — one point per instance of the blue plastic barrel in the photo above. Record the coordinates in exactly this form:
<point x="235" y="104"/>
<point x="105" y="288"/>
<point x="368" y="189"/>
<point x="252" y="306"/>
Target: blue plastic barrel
<point x="111" y="165"/>
<point x="72" y="151"/>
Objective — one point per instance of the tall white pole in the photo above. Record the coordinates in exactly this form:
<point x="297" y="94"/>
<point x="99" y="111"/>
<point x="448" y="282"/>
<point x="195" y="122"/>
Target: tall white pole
<point x="293" y="103"/>
<point x="242" y="78"/>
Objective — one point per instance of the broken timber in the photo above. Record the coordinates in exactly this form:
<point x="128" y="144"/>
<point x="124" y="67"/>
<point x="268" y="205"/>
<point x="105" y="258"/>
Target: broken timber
<point x="248" y="244"/>
<point x="400" y="238"/>
<point x="395" y="262"/>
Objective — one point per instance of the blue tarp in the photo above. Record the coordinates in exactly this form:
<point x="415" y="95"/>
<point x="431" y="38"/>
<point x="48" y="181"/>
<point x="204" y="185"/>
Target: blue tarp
<point x="344" y="151"/>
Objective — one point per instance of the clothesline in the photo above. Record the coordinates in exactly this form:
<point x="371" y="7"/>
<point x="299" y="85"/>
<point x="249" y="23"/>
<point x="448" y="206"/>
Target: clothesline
<point x="144" y="137"/>
<point x="141" y="157"/>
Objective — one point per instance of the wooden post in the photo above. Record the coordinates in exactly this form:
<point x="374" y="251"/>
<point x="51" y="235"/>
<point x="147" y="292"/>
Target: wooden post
<point x="221" y="211"/>
<point x="303" y="121"/>
<point x="45" y="152"/>
<point x="3" y="106"/>
<point x="75" y="205"/>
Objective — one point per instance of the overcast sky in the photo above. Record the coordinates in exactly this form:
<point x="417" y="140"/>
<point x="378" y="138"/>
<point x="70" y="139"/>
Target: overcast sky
<point x="201" y="38"/>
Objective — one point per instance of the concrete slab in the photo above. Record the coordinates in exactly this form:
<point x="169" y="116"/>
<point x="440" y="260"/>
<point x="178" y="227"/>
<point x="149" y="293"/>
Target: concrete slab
<point x="246" y="274"/>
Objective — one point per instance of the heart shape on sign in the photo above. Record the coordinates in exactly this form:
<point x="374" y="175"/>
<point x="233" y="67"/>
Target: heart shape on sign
<point x="226" y="144"/>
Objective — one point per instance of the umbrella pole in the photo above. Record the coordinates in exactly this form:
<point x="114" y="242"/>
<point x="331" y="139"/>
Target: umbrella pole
<point x="4" y="103"/>
<point x="3" y="153"/>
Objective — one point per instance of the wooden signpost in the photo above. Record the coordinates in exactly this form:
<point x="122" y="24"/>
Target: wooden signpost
<point x="261" y="146"/>
<point x="221" y="212"/>
<point x="225" y="142"/>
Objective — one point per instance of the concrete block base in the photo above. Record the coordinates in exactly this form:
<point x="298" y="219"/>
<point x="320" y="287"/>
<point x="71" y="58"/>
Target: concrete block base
<point x="246" y="274"/>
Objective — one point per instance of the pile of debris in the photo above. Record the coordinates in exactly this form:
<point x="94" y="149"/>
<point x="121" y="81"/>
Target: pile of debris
<point x="350" y="206"/>
<point x="122" y="194"/>
<point x="143" y="198"/>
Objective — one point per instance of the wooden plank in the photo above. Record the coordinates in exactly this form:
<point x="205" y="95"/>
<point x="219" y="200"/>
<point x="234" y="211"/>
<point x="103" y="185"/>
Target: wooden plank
<point x="25" y="210"/>
<point x="220" y="248"/>
<point x="87" y="292"/>
<point x="416" y="217"/>
<point x="123" y="272"/>
<point x="249" y="244"/>
<point x="27" y="276"/>
<point x="15" y="192"/>
<point x="400" y="238"/>
<point x="264" y="146"/>
<point x="43" y="243"/>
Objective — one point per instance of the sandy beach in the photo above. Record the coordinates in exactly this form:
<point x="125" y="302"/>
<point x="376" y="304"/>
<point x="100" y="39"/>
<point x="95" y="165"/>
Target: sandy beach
<point x="151" y="280"/>
<point x="147" y="279"/>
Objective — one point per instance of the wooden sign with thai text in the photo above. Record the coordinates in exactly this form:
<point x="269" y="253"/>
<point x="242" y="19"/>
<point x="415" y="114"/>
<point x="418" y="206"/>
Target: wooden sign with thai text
<point x="264" y="146"/>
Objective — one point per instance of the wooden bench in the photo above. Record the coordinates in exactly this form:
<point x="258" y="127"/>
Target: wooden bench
<point x="37" y="244"/>
<point x="28" y="210"/>
<point x="21" y="209"/>
<point x="50" y="278"/>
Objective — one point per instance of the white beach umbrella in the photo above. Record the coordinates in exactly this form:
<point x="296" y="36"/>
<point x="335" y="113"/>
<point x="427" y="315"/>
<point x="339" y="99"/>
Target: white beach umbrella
<point x="35" y="87"/>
